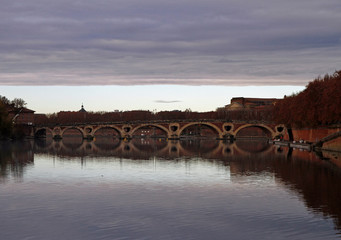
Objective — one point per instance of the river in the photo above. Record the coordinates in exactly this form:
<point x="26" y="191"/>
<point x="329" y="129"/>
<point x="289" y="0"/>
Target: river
<point x="159" y="189"/>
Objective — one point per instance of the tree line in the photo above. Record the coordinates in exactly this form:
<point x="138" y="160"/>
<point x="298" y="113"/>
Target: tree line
<point x="318" y="104"/>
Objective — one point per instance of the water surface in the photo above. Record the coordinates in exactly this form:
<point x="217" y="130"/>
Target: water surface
<point x="158" y="189"/>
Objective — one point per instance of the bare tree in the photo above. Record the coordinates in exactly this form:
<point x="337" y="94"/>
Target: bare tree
<point x="18" y="103"/>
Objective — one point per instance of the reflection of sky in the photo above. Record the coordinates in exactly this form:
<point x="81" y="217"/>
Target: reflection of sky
<point x="126" y="170"/>
<point x="109" y="198"/>
<point x="150" y="97"/>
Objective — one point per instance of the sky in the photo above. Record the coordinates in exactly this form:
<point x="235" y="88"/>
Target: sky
<point x="163" y="54"/>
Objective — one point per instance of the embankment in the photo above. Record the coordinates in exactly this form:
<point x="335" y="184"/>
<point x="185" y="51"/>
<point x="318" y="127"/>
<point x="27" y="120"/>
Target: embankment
<point x="327" y="138"/>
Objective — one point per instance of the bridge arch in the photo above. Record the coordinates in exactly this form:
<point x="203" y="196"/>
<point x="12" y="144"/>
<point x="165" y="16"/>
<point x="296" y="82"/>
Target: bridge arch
<point x="237" y="149"/>
<point x="261" y="126"/>
<point x="210" y="125"/>
<point x="73" y="127"/>
<point x="42" y="131"/>
<point x="108" y="127"/>
<point x="152" y="125"/>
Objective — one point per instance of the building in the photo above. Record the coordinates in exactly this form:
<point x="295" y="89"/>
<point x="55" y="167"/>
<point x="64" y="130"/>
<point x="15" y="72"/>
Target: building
<point x="82" y="109"/>
<point x="72" y="116"/>
<point x="21" y="116"/>
<point x="241" y="103"/>
<point x="22" y="119"/>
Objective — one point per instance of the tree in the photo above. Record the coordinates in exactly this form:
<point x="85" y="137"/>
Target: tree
<point x="4" y="100"/>
<point x="5" y="123"/>
<point x="18" y="103"/>
<point x="318" y="104"/>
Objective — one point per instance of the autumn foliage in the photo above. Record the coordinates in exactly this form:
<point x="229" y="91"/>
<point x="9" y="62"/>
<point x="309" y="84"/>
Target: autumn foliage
<point x="319" y="104"/>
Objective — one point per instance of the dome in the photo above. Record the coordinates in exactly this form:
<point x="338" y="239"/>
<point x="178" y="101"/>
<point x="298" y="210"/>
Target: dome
<point x="82" y="109"/>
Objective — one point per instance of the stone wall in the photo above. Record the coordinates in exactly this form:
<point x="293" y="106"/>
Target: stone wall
<point x="314" y="135"/>
<point x="333" y="145"/>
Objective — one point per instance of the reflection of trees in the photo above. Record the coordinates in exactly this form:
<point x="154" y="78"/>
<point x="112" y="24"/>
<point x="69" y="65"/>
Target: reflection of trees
<point x="315" y="180"/>
<point x="14" y="157"/>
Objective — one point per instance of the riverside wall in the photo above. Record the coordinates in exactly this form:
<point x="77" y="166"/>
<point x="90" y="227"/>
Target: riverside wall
<point x="314" y="135"/>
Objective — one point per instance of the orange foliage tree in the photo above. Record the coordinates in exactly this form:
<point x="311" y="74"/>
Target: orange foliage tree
<point x="318" y="104"/>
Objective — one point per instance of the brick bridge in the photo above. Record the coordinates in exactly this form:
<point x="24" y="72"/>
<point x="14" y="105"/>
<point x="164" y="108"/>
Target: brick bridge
<point x="170" y="129"/>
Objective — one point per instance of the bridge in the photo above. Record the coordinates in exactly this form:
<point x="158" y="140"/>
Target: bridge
<point x="168" y="129"/>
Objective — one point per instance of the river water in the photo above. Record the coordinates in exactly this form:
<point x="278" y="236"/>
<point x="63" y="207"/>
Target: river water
<point x="158" y="189"/>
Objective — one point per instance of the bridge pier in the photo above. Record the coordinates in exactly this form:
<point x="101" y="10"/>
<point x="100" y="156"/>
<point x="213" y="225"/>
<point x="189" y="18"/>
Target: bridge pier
<point x="126" y="137"/>
<point x="173" y="137"/>
<point x="228" y="137"/>
<point x="89" y="137"/>
<point x="57" y="137"/>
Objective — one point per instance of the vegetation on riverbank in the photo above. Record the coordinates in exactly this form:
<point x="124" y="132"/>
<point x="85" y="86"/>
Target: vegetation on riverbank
<point x="7" y="129"/>
<point x="318" y="104"/>
<point x="5" y="123"/>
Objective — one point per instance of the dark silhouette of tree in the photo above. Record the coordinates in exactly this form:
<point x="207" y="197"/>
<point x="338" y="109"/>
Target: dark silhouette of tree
<point x="4" y="100"/>
<point x="18" y="103"/>
<point x="5" y="123"/>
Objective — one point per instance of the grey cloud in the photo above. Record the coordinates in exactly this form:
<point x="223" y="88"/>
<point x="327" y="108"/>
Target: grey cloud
<point x="193" y="42"/>
<point x="167" y="101"/>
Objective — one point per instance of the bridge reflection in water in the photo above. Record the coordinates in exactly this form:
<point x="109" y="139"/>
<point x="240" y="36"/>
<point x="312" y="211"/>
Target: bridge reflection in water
<point x="314" y="180"/>
<point x="147" y="148"/>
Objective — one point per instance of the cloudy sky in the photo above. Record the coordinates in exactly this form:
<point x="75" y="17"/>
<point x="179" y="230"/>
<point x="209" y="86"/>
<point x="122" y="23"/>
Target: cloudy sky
<point x="139" y="48"/>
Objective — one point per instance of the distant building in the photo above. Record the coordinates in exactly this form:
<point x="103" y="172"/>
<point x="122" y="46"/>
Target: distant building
<point x="40" y="119"/>
<point x="241" y="103"/>
<point x="72" y="116"/>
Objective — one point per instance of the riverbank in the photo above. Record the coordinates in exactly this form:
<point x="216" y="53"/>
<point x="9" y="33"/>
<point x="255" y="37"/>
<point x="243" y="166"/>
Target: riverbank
<point x="293" y="144"/>
<point x="324" y="137"/>
<point x="331" y="156"/>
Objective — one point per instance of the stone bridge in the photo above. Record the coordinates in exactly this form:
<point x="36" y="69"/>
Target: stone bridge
<point x="169" y="129"/>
